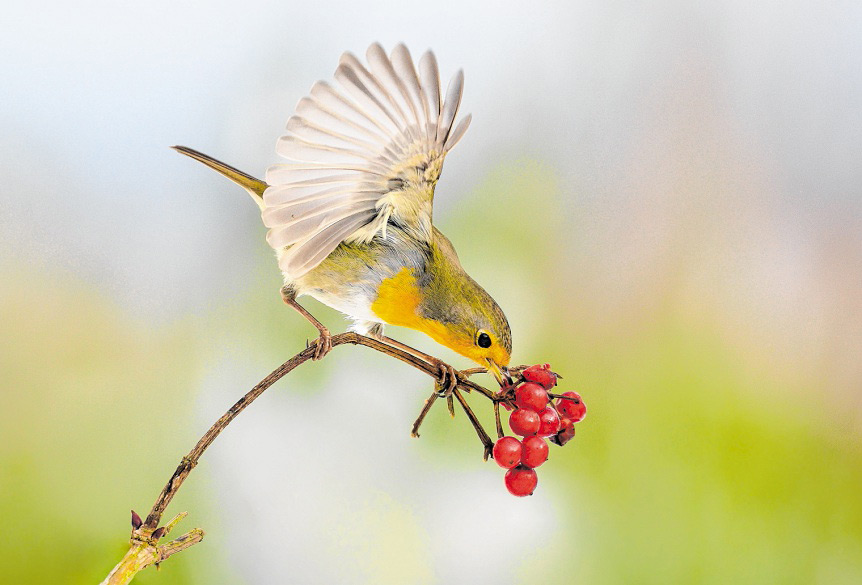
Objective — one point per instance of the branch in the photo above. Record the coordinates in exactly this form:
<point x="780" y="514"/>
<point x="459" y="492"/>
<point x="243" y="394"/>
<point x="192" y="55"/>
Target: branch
<point x="144" y="547"/>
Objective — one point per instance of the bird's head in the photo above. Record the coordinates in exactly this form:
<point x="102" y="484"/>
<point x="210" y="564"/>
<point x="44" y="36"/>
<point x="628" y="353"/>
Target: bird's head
<point x="490" y="343"/>
<point x="474" y="326"/>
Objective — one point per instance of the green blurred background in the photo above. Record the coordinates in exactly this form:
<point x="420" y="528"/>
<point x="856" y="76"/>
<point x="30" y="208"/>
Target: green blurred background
<point x="665" y="198"/>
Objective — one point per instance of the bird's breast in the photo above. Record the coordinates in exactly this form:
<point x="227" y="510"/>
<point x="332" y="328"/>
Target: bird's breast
<point x="398" y="303"/>
<point x="398" y="299"/>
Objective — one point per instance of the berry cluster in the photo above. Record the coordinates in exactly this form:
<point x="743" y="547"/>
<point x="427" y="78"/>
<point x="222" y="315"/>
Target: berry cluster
<point x="535" y="417"/>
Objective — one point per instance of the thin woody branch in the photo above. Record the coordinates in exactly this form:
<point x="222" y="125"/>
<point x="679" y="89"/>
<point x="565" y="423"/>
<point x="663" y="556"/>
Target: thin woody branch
<point x="144" y="548"/>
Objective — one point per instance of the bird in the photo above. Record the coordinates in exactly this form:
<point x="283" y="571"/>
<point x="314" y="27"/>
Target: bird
<point x="350" y="215"/>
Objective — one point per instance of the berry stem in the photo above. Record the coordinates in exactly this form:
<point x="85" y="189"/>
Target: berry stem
<point x="497" y="419"/>
<point x="483" y="436"/>
<point x="552" y="395"/>
<point x="429" y="402"/>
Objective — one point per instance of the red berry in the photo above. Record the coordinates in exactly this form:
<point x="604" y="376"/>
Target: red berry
<point x="571" y="407"/>
<point x="535" y="451"/>
<point x="521" y="481"/>
<point x="541" y="374"/>
<point x="507" y="452"/>
<point x="524" y="422"/>
<point x="549" y="422"/>
<point x="531" y="396"/>
<point x="566" y="433"/>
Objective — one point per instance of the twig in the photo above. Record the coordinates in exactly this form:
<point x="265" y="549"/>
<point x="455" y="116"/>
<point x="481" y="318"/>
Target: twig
<point x="144" y="549"/>
<point x="483" y="436"/>
<point x="425" y="408"/>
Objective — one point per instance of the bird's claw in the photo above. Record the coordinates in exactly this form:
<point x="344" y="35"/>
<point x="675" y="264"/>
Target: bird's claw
<point x="323" y="345"/>
<point x="447" y="379"/>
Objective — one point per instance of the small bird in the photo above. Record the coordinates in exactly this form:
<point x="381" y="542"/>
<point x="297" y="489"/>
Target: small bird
<point x="350" y="216"/>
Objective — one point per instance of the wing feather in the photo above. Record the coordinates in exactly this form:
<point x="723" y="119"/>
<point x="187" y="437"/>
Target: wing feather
<point x="337" y="103"/>
<point x="450" y="107"/>
<point x="310" y="109"/>
<point x="311" y="132"/>
<point x="311" y="192"/>
<point x="305" y="226"/>
<point x="295" y="148"/>
<point x="308" y="177"/>
<point x="384" y="94"/>
<point x="306" y="255"/>
<point x="362" y="154"/>
<point x="430" y="80"/>
<point x="402" y="63"/>
<point x="366" y="99"/>
<point x="458" y="132"/>
<point x="382" y="68"/>
<point x="292" y="214"/>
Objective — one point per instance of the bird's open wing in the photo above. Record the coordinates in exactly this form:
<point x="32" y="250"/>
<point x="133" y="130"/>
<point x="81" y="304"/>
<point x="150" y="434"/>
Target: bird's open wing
<point x="361" y="156"/>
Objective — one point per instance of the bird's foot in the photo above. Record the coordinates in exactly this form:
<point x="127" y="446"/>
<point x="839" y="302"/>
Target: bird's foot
<point x="447" y="379"/>
<point x="323" y="344"/>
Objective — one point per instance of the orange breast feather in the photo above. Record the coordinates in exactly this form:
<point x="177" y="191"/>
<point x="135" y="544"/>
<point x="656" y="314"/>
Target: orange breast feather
<point x="398" y="300"/>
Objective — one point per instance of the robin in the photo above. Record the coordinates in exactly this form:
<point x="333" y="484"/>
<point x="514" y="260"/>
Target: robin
<point x="350" y="216"/>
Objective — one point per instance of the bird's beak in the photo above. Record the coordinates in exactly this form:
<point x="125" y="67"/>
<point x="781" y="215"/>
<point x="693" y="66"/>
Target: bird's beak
<point x="500" y="373"/>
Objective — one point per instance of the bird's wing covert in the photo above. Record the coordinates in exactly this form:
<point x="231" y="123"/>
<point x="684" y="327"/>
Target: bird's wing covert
<point x="362" y="155"/>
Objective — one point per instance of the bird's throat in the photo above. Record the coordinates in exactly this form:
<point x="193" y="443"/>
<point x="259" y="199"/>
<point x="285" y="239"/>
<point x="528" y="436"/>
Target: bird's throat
<point x="397" y="303"/>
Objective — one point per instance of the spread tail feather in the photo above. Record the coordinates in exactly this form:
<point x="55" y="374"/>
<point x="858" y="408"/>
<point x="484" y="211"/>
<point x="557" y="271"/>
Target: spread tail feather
<point x="255" y="187"/>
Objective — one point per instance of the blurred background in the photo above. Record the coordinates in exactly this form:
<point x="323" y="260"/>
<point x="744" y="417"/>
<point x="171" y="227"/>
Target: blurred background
<point x="665" y="197"/>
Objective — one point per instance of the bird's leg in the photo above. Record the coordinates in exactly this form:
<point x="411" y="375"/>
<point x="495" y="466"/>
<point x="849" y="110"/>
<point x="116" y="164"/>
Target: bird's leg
<point x="375" y="330"/>
<point x="324" y="342"/>
<point x="447" y="376"/>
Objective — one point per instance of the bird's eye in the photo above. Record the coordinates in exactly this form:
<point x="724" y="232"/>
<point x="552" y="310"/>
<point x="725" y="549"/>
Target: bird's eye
<point x="484" y="340"/>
